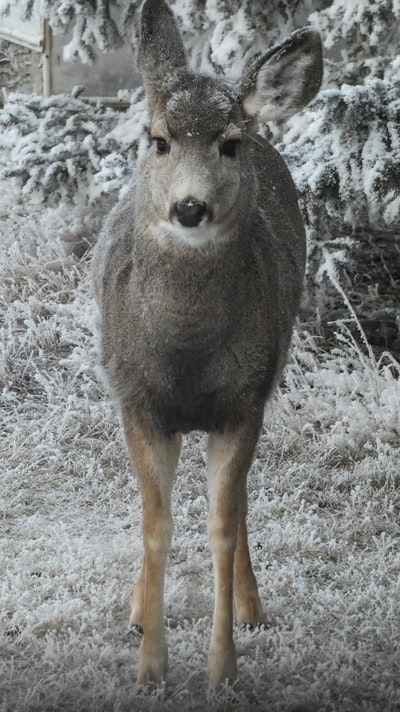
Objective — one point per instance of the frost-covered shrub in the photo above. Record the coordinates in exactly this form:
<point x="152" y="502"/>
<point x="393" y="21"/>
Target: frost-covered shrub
<point x="343" y="150"/>
<point x="63" y="145"/>
<point x="345" y="159"/>
<point x="60" y="145"/>
<point x="221" y="33"/>
<point x="91" y="23"/>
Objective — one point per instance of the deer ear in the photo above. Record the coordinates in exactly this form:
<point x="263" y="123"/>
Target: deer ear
<point x="161" y="50"/>
<point x="285" y="79"/>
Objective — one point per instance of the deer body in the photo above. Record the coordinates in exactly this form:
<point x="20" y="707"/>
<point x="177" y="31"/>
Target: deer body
<point x="187" y="351"/>
<point x="198" y="274"/>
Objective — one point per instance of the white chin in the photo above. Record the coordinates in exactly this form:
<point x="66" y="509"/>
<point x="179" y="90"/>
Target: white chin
<point x="196" y="237"/>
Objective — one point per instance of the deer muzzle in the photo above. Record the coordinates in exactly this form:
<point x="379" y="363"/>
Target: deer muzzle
<point x="189" y="212"/>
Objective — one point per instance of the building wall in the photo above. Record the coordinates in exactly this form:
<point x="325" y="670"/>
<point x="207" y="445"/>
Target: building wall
<point x="20" y="69"/>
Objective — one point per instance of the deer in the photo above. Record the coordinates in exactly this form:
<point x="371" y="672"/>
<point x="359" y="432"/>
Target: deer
<point x="198" y="273"/>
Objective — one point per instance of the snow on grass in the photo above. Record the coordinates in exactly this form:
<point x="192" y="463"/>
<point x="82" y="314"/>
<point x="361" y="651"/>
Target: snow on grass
<point x="323" y="526"/>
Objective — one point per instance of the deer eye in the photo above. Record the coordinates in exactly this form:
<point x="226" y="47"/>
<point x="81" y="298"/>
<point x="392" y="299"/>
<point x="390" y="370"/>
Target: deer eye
<point x="230" y="147"/>
<point x="161" y="145"/>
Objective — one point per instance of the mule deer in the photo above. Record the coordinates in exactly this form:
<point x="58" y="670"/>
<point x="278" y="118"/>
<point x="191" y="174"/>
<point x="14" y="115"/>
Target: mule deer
<point x="198" y="274"/>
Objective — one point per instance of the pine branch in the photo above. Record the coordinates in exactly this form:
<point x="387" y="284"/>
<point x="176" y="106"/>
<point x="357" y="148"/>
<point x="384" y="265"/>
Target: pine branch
<point x="62" y="145"/>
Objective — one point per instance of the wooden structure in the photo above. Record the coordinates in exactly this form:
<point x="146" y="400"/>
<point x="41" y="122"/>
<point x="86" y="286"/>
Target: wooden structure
<point x="31" y="60"/>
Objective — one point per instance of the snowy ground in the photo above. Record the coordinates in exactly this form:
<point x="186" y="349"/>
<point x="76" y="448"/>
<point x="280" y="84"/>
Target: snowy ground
<point x="324" y="518"/>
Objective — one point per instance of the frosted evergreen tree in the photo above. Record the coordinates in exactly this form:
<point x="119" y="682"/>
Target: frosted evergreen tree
<point x="344" y="150"/>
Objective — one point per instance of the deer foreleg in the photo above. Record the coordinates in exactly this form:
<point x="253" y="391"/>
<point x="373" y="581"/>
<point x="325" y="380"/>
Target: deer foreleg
<point x="230" y="455"/>
<point x="155" y="459"/>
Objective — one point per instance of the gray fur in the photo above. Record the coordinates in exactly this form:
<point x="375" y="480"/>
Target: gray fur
<point x="194" y="337"/>
<point x="198" y="274"/>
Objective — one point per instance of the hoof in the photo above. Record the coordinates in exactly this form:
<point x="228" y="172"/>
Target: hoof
<point x="152" y="673"/>
<point x="253" y="627"/>
<point x="221" y="668"/>
<point x="249" y="611"/>
<point x="136" y="630"/>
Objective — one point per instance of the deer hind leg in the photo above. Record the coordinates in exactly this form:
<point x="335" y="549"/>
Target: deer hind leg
<point x="155" y="459"/>
<point x="247" y="604"/>
<point x="229" y="458"/>
<point x="137" y="600"/>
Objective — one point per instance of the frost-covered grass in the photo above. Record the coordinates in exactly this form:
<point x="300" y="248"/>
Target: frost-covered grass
<point x="324" y="517"/>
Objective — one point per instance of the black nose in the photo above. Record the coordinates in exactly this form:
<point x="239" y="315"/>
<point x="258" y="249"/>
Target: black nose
<point x="190" y="212"/>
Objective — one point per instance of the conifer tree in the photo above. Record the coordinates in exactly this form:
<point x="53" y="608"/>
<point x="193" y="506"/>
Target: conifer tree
<point x="343" y="151"/>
